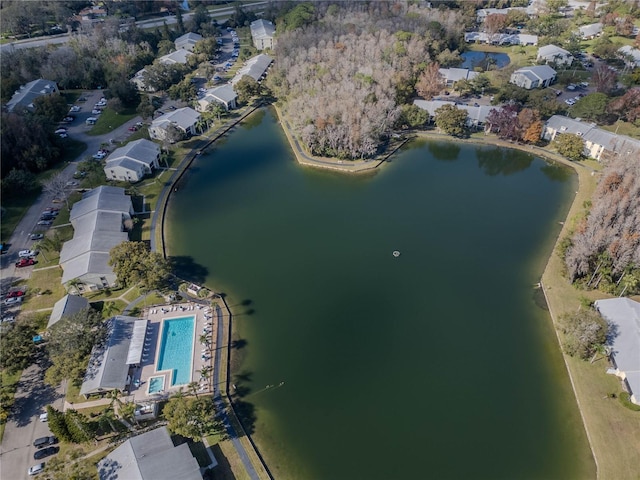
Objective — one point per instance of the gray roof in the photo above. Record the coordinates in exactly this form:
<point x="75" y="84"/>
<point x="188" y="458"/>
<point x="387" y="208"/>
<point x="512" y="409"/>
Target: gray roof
<point x="590" y="30"/>
<point x="542" y="72"/>
<point x="187" y="39"/>
<point x="568" y="125"/>
<point x="108" y="369"/>
<point x="624" y="314"/>
<point x="632" y="52"/>
<point x="262" y="29"/>
<point x="179" y="56"/>
<point x="475" y="115"/>
<point x="183" y="118"/>
<point x="88" y="263"/>
<point x="550" y="51"/>
<point x="67" y="306"/>
<point x="102" y="198"/>
<point x="125" y="162"/>
<point x="255" y="67"/>
<point x="81" y="244"/>
<point x="455" y="74"/>
<point x="141" y="150"/>
<point x="502" y="38"/>
<point x="224" y="93"/>
<point x="150" y="456"/>
<point x="25" y="96"/>
<point x="137" y="342"/>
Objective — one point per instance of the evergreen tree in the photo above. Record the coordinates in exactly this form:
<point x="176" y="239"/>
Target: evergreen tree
<point x="58" y="424"/>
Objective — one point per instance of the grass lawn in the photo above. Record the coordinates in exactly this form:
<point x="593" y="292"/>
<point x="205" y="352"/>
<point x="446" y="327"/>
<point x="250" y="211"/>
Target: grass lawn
<point x="48" y="283"/>
<point x="110" y="120"/>
<point x="623" y="128"/>
<point x="71" y="95"/>
<point x="616" y="454"/>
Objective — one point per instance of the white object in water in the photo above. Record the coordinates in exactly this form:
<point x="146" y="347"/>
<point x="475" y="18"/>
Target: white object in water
<point x="396" y="253"/>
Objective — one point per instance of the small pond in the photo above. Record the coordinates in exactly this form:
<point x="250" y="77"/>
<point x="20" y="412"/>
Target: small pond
<point x="472" y="59"/>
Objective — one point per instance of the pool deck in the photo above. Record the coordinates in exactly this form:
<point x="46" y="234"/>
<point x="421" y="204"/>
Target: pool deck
<point x="203" y="356"/>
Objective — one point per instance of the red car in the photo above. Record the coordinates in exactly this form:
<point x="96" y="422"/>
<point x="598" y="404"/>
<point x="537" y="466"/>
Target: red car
<point x="133" y="128"/>
<point x="15" y="293"/>
<point x="25" y="262"/>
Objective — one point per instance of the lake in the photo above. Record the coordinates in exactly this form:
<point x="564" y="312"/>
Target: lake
<point x="473" y="59"/>
<point x="352" y="363"/>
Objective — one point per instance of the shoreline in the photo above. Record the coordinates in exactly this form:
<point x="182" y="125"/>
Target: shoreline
<point x="559" y="295"/>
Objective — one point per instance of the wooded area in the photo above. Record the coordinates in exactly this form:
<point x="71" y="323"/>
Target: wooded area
<point x="342" y="78"/>
<point x="604" y="251"/>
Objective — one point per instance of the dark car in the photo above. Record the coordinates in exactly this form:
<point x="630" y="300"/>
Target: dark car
<point x="45" y="452"/>
<point x="44" y="441"/>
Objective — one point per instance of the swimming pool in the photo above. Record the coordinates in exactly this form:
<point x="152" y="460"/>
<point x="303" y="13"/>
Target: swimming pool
<point x="156" y="384"/>
<point x="176" y="348"/>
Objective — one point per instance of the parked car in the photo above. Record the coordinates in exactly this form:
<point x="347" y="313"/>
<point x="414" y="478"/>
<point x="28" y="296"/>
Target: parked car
<point x="36" y="236"/>
<point x="95" y="111"/>
<point x="44" y="417"/>
<point x="68" y="119"/>
<point x="91" y="121"/>
<point x="45" y="223"/>
<point x="99" y="155"/>
<point x="133" y="128"/>
<point x="36" y="469"/>
<point x="74" y="109"/>
<point x="15" y="293"/>
<point x="45" y="441"/>
<point x="8" y="319"/>
<point x="51" y="209"/>
<point x="12" y="301"/>
<point x="45" y="452"/>
<point x="27" y="253"/>
<point x="25" y="262"/>
<point x="72" y="184"/>
<point x="60" y="130"/>
<point x="63" y="135"/>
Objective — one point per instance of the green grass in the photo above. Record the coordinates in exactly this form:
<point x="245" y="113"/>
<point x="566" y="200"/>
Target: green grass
<point x="141" y="133"/>
<point x="48" y="283"/>
<point x="625" y="400"/>
<point x="623" y="128"/>
<point x="71" y="95"/>
<point x="110" y="120"/>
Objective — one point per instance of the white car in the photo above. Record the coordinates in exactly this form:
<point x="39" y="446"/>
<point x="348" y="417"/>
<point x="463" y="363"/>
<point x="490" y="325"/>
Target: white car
<point x="74" y="109"/>
<point x="95" y="111"/>
<point x="12" y="300"/>
<point x="99" y="155"/>
<point x="570" y="101"/>
<point x="27" y="253"/>
<point x="44" y="417"/>
<point x="60" y="130"/>
<point x="63" y="135"/>
<point x="35" y="469"/>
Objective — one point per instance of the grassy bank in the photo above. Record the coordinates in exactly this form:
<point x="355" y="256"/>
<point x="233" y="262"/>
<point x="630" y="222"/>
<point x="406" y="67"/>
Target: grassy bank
<point x="109" y="120"/>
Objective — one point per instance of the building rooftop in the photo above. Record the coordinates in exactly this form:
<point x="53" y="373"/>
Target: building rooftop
<point x="25" y="96"/>
<point x="179" y="56"/>
<point x="67" y="306"/>
<point x="108" y="369"/>
<point x="255" y="67"/>
<point x="150" y="456"/>
<point x="183" y="117"/>
<point x="224" y="93"/>
<point x="262" y="28"/>
<point x="141" y="150"/>
<point x="187" y="39"/>
<point x="550" y="51"/>
<point x="542" y="72"/>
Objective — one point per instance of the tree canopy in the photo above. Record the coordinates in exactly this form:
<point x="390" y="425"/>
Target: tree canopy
<point x="192" y="417"/>
<point x="584" y="331"/>
<point x="569" y="145"/>
<point x="134" y="264"/>
<point x="451" y="119"/>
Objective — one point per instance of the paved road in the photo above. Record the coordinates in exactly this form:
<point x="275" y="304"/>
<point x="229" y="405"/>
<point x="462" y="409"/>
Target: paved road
<point x="23" y="427"/>
<point x="33" y="395"/>
<point x="219" y="15"/>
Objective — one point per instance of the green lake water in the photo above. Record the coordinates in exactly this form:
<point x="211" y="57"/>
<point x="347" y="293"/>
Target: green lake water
<point x="441" y="363"/>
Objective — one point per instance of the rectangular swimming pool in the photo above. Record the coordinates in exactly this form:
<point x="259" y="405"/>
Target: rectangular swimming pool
<point x="176" y="348"/>
<point x="156" y="384"/>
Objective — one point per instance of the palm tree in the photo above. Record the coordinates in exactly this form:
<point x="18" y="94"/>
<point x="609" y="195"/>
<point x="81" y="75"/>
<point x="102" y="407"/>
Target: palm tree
<point x="109" y="309"/>
<point x="204" y="339"/>
<point x="73" y="283"/>
<point x="193" y="388"/>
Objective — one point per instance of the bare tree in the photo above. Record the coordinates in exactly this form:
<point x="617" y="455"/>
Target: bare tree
<point x="57" y="187"/>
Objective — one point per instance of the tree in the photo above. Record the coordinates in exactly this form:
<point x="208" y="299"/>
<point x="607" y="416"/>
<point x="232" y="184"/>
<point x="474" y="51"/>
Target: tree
<point x="179" y="21"/>
<point x="604" y="78"/>
<point x="592" y="107"/>
<point x="504" y="121"/>
<point x="16" y="345"/>
<point x="569" y="145"/>
<point x="134" y="264"/>
<point x="495" y="23"/>
<point x="533" y="132"/>
<point x="78" y="426"/>
<point x="412" y="116"/>
<point x="57" y="187"/>
<point x="199" y="19"/>
<point x="145" y="108"/>
<point x="297" y="17"/>
<point x="430" y="82"/>
<point x="50" y="108"/>
<point x="627" y="106"/>
<point x="451" y="120"/>
<point x="584" y="332"/>
<point x="57" y="424"/>
<point x="246" y="88"/>
<point x="192" y="418"/>
<point x="18" y="182"/>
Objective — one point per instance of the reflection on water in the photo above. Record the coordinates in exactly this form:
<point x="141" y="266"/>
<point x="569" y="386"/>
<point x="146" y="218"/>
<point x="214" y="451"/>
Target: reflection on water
<point x="484" y="60"/>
